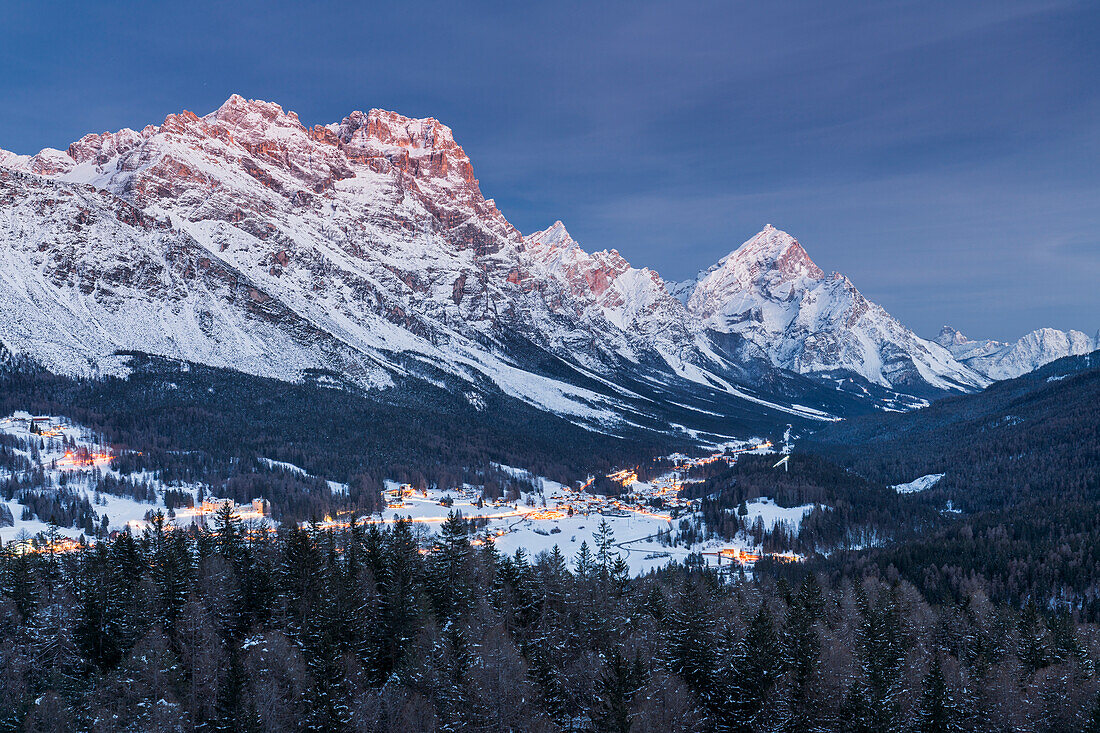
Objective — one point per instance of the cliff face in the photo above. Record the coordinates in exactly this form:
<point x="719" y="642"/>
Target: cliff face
<point x="770" y="293"/>
<point x="246" y="239"/>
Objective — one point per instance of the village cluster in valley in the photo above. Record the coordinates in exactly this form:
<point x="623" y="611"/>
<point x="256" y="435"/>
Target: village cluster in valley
<point x="643" y="516"/>
<point x="63" y="456"/>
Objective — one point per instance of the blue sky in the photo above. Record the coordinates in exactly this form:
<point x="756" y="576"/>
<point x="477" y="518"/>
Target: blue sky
<point x="944" y="155"/>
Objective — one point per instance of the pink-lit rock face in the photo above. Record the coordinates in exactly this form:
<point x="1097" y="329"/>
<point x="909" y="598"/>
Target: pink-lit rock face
<point x="421" y="148"/>
<point x="771" y="294"/>
<point x="103" y="147"/>
<point x="50" y="163"/>
<point x="376" y="218"/>
<point x="604" y="283"/>
<point x="373" y="233"/>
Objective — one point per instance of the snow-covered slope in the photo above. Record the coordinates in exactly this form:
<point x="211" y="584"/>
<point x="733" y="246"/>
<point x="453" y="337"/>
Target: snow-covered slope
<point x="606" y="290"/>
<point x="371" y="234"/>
<point x="1000" y="360"/>
<point x="771" y="294"/>
<point x="86" y="274"/>
<point x="363" y="247"/>
<point x="246" y="239"/>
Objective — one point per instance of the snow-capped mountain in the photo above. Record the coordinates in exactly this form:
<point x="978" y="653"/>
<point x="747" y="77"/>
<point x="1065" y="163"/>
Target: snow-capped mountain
<point x="607" y="289"/>
<point x="1006" y="360"/>
<point x="87" y="275"/>
<point x="248" y="240"/>
<point x="366" y="248"/>
<point x="769" y="293"/>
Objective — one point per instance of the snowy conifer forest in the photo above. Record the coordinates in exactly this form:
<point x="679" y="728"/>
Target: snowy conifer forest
<point x="359" y="630"/>
<point x="571" y="367"/>
<point x="191" y="549"/>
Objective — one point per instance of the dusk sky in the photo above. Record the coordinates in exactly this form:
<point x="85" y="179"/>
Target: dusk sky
<point x="944" y="155"/>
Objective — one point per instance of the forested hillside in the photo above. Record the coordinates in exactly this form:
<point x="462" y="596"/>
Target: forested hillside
<point x="1019" y="440"/>
<point x="195" y="423"/>
<point x="1019" y="499"/>
<point x="968" y="606"/>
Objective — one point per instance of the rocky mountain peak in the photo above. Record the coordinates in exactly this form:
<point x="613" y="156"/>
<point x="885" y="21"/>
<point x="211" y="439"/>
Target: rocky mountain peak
<point x="374" y="229"/>
<point x="771" y="294"/>
<point x="770" y="265"/>
<point x="587" y="273"/>
<point x="1005" y="360"/>
<point x="423" y="148"/>
<point x="772" y="251"/>
<point x="949" y="336"/>
<point x="101" y="147"/>
<point x="612" y="295"/>
<point x="553" y="238"/>
<point x="252" y="120"/>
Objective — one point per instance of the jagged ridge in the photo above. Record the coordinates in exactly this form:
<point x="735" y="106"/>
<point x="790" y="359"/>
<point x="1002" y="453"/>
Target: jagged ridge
<point x="366" y="246"/>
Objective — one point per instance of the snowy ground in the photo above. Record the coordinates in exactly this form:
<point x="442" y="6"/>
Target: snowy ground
<point x="773" y="515"/>
<point x="551" y="514"/>
<point x="69" y="452"/>
<point x="565" y="516"/>
<point x="921" y="484"/>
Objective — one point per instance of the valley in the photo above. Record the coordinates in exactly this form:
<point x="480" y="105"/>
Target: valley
<point x="299" y="431"/>
<point x="91" y="500"/>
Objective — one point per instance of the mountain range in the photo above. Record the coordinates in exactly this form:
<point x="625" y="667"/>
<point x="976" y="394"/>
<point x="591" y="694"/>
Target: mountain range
<point x="363" y="252"/>
<point x="999" y="360"/>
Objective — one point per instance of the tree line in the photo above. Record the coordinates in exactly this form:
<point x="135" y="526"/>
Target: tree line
<point x="368" y="629"/>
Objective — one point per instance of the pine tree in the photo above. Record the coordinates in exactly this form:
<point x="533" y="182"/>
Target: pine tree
<point x="555" y="577"/>
<point x="57" y="661"/>
<point x="583" y="562"/>
<point x="620" y="577"/>
<point x="605" y="543"/>
<point x="400" y="595"/>
<point x="1035" y="642"/>
<point x="545" y="672"/>
<point x="299" y="580"/>
<point x="689" y="641"/>
<point x="937" y="712"/>
<point x="227" y="530"/>
<point x="726" y="702"/>
<point x="615" y="689"/>
<point x="230" y="712"/>
<point x="328" y="695"/>
<point x="802" y="652"/>
<point x="257" y="575"/>
<point x="19" y="583"/>
<point x="170" y="571"/>
<point x="757" y="667"/>
<point x="101" y="649"/>
<point x="449" y="569"/>
<point x="882" y="658"/>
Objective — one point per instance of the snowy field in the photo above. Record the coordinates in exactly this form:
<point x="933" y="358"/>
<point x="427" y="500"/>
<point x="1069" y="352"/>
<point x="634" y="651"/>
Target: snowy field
<point x="75" y="457"/>
<point x="559" y="515"/>
<point x="917" y="485"/>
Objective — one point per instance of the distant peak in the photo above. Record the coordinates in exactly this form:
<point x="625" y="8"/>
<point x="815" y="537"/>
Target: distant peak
<point x="774" y="249"/>
<point x="553" y="237"/>
<point x="238" y="111"/>
<point x="951" y="335"/>
<point x="392" y="128"/>
<point x="234" y="101"/>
